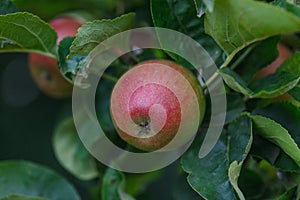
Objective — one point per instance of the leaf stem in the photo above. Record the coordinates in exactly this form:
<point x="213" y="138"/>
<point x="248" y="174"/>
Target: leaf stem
<point x="233" y="66"/>
<point x="242" y="57"/>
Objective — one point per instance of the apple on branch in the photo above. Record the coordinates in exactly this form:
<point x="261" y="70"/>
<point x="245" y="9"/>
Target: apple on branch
<point x="155" y="101"/>
<point x="44" y="70"/>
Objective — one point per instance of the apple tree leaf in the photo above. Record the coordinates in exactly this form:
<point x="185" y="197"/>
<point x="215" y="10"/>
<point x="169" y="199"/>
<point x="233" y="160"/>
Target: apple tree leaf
<point x="234" y="24"/>
<point x="261" y="55"/>
<point x="93" y="33"/>
<point x="235" y="106"/>
<point x="7" y="7"/>
<point x="277" y="134"/>
<point x="270" y="86"/>
<point x="288" y="116"/>
<point x="232" y="147"/>
<point x="274" y="85"/>
<point x="21" y="197"/>
<point x="73" y="53"/>
<point x="288" y="6"/>
<point x="22" y="177"/>
<point x="71" y="153"/>
<point x="25" y="32"/>
<point x="209" y="4"/>
<point x="113" y="186"/>
<point x="292" y="65"/>
<point x="69" y="66"/>
<point x="290" y="194"/>
<point x="183" y="17"/>
<point x="235" y="82"/>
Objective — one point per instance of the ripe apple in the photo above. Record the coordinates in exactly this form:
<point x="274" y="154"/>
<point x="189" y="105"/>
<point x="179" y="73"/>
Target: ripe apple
<point x="44" y="70"/>
<point x="155" y="101"/>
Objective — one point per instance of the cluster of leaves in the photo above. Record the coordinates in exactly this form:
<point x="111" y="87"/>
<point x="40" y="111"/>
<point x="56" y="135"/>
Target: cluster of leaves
<point x="257" y="156"/>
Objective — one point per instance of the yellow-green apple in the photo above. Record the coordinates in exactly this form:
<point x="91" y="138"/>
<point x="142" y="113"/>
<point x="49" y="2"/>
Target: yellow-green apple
<point x="157" y="105"/>
<point x="44" y="70"/>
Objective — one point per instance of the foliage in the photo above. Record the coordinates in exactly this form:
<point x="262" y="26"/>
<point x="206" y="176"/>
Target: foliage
<point x="258" y="153"/>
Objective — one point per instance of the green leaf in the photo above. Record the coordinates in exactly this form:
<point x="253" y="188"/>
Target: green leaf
<point x="209" y="4"/>
<point x="93" y="33"/>
<point x="71" y="153"/>
<point x="264" y="149"/>
<point x="235" y="106"/>
<point x="74" y="52"/>
<point x="136" y="184"/>
<point x="7" y="7"/>
<point x="288" y="195"/>
<point x="69" y="67"/>
<point x="234" y="173"/>
<point x="260" y="56"/>
<point x="21" y="197"/>
<point x="274" y="85"/>
<point x="113" y="186"/>
<point x="297" y="177"/>
<point x="268" y="87"/>
<point x="288" y="6"/>
<point x="288" y="116"/>
<point x="63" y="51"/>
<point x="291" y="65"/>
<point x="183" y="191"/>
<point x="251" y="183"/>
<point x="48" y="9"/>
<point x="234" y="24"/>
<point x="295" y="93"/>
<point x="277" y="134"/>
<point x="182" y="16"/>
<point x="25" y="32"/>
<point x="260" y="180"/>
<point x="233" y="146"/>
<point x="21" y="177"/>
<point x="234" y="81"/>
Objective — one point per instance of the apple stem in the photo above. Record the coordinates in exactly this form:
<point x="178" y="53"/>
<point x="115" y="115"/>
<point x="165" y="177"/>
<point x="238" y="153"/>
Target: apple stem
<point x="109" y="77"/>
<point x="133" y="57"/>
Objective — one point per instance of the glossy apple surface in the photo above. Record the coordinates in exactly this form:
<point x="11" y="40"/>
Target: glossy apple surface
<point x="155" y="101"/>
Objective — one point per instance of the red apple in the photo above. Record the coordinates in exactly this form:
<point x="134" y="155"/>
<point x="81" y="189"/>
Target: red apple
<point x="155" y="101"/>
<point x="44" y="70"/>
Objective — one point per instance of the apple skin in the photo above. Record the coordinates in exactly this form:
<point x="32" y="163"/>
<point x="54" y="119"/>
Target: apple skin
<point x="146" y="105"/>
<point x="44" y="70"/>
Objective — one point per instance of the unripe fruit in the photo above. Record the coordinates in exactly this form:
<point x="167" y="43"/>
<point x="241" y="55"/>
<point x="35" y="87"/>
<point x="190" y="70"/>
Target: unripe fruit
<point x="155" y="101"/>
<point x="44" y="70"/>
